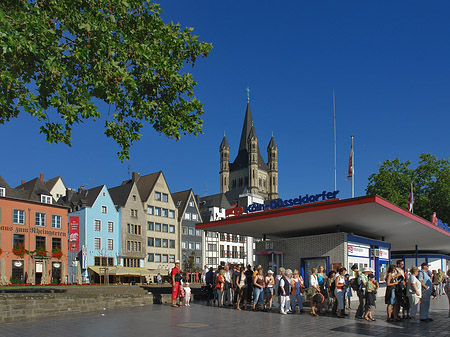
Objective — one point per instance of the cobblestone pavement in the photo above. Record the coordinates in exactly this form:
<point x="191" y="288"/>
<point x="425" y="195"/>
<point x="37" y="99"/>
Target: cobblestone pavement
<point x="202" y="320"/>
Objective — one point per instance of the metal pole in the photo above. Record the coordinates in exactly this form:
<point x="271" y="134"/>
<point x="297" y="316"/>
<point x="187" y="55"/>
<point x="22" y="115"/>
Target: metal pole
<point x="334" y="120"/>
<point x="353" y="169"/>
<point x="417" y="255"/>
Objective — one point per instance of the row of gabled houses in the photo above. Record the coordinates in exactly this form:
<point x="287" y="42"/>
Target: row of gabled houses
<point x="53" y="234"/>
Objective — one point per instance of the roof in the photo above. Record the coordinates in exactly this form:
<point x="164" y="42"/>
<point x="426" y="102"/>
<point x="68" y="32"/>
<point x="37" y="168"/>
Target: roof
<point x="272" y="144"/>
<point x="145" y="184"/>
<point x="120" y="194"/>
<point x="369" y="216"/>
<point x="52" y="182"/>
<point x="183" y="198"/>
<point x="32" y="190"/>
<point x="224" y="144"/>
<point x="84" y="198"/>
<point x="248" y="130"/>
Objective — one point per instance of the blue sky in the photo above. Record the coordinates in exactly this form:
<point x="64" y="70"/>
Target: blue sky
<point x="387" y="61"/>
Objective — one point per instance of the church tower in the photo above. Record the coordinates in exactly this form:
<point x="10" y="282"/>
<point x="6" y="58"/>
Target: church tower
<point x="249" y="173"/>
<point x="224" y="165"/>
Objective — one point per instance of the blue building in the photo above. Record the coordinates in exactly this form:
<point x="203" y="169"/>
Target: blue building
<point x="99" y="234"/>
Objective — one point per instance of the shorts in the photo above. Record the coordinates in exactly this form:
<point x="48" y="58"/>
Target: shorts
<point x="175" y="287"/>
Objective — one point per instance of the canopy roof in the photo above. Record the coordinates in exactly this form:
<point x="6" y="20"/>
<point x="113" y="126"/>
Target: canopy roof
<point x="369" y="216"/>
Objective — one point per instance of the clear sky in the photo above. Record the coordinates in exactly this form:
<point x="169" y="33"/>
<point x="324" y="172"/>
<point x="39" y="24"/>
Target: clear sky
<point x="388" y="62"/>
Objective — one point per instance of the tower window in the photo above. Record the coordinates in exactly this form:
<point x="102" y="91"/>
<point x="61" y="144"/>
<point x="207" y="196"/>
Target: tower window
<point x="240" y="181"/>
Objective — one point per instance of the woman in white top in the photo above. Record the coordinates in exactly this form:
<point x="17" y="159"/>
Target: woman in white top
<point x="339" y="291"/>
<point x="414" y="292"/>
<point x="313" y="282"/>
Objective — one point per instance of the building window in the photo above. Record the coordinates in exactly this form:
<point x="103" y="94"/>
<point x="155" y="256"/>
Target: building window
<point x="165" y="258"/>
<point x="171" y="243"/>
<point x="110" y="244"/>
<point x="212" y="260"/>
<point x="165" y="212"/>
<point x="165" y="197"/>
<point x="171" y="258"/>
<point x="150" y="242"/>
<point x="171" y="214"/>
<point x="194" y="216"/>
<point x="46" y="199"/>
<point x="158" y="196"/>
<point x="18" y="239"/>
<point x="191" y="203"/>
<point x="197" y="260"/>
<point x="150" y="257"/>
<point x="150" y="210"/>
<point x="157" y="258"/>
<point x="165" y="243"/>
<point x="104" y="209"/>
<point x="56" y="221"/>
<point x="191" y="245"/>
<point x="40" y="219"/>
<point x="191" y="231"/>
<point x="212" y="247"/>
<point x="56" y="243"/>
<point x="134" y="213"/>
<point x="198" y="246"/>
<point x="97" y="225"/>
<point x="158" y="211"/>
<point x="110" y="227"/>
<point x="128" y="246"/>
<point x="97" y="243"/>
<point x="134" y="197"/>
<point x="187" y="216"/>
<point x="40" y="242"/>
<point x="184" y="244"/>
<point x="198" y="232"/>
<point x="19" y="216"/>
<point x="165" y="228"/>
<point x="185" y="230"/>
<point x="171" y="228"/>
<point x="97" y="261"/>
<point x="150" y="225"/>
<point x="157" y="227"/>
<point x="2" y="191"/>
<point x="222" y="237"/>
<point x="157" y="242"/>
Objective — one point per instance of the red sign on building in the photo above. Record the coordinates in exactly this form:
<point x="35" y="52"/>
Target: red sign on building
<point x="74" y="234"/>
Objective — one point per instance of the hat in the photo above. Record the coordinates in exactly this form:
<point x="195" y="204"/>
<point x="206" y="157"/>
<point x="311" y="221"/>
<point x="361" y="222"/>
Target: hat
<point x="177" y="261"/>
<point x="269" y="272"/>
<point x="425" y="264"/>
<point x="366" y="269"/>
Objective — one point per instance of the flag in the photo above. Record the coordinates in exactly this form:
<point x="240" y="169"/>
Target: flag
<point x="351" y="167"/>
<point x="411" y="200"/>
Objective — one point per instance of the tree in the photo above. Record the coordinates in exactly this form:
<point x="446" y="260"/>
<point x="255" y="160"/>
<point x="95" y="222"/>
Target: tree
<point x="60" y="59"/>
<point x="431" y="184"/>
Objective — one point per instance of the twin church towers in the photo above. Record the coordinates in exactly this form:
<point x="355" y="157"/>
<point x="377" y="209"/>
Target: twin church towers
<point x="249" y="174"/>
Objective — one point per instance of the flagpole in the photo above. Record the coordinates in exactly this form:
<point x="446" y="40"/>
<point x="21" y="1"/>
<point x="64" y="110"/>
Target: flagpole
<point x="334" y="119"/>
<point x="353" y="169"/>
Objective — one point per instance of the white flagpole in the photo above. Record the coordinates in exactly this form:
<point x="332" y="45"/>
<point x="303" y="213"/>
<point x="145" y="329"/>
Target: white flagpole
<point x="412" y="199"/>
<point x="334" y="119"/>
<point x="353" y="169"/>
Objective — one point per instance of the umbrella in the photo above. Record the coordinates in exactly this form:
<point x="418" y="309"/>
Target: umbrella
<point x="123" y="271"/>
<point x="3" y="278"/>
<point x="44" y="279"/>
<point x="63" y="272"/>
<point x="30" y="278"/>
<point x="79" y="278"/>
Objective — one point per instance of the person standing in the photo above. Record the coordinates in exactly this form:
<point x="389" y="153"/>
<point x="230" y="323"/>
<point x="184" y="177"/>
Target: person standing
<point x="440" y="277"/>
<point x="447" y="290"/>
<point x="249" y="276"/>
<point x="281" y="272"/>
<point x="339" y="292"/>
<point x="220" y="286"/>
<point x="371" y="289"/>
<point x="241" y="283"/>
<point x="227" y="297"/>
<point x="268" y="290"/>
<point x="414" y="291"/>
<point x="427" y="287"/>
<point x="362" y="281"/>
<point x="284" y="291"/>
<point x="258" y="289"/>
<point x="176" y="279"/>
<point x="159" y="279"/>
<point x="204" y="272"/>
<point x="296" y="292"/>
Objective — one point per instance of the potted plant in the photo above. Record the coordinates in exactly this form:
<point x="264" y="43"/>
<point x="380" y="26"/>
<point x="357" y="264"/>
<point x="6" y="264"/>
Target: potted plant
<point x="19" y="250"/>
<point x="40" y="251"/>
<point x="57" y="253"/>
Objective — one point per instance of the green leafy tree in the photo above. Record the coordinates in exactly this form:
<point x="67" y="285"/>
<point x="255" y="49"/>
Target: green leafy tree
<point x="431" y="184"/>
<point x="59" y="59"/>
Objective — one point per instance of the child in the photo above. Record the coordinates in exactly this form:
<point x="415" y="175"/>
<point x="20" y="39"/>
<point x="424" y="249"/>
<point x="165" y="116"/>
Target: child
<point x="181" y="294"/>
<point x="187" y="295"/>
<point x="371" y="291"/>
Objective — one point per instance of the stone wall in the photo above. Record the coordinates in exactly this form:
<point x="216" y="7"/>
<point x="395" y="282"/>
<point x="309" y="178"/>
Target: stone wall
<point x="27" y="306"/>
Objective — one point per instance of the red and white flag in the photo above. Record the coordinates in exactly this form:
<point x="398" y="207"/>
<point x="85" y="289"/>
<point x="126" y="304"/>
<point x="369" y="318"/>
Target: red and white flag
<point x="351" y="165"/>
<point x="411" y="200"/>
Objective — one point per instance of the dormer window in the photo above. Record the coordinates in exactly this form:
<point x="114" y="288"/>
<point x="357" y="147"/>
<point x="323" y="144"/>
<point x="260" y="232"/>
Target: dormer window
<point x="2" y="192"/>
<point x="46" y="199"/>
<point x="104" y="209"/>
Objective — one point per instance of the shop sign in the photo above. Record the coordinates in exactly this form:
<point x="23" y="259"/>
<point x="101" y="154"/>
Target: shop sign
<point x="438" y="222"/>
<point x="280" y="203"/>
<point x="354" y="250"/>
<point x="384" y="254"/>
<point x="18" y="264"/>
<point x="38" y="267"/>
<point x="74" y="233"/>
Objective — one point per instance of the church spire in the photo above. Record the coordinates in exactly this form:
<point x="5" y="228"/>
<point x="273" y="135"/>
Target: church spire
<point x="247" y="127"/>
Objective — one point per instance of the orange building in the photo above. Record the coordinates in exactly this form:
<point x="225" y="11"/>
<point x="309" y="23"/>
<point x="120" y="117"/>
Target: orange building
<point x="33" y="235"/>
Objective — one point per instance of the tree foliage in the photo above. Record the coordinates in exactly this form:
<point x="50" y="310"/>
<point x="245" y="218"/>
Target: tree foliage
<point x="60" y="58"/>
<point x="431" y="185"/>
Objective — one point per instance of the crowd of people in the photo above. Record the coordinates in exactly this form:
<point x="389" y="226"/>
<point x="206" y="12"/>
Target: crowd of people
<point x="407" y="291"/>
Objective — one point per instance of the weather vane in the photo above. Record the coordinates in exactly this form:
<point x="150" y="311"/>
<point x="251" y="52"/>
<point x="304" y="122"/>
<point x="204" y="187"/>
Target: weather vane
<point x="248" y="95"/>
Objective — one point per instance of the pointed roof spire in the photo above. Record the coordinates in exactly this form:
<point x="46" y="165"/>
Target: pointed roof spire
<point x="272" y="144"/>
<point x="248" y="125"/>
<point x="252" y="134"/>
<point x="224" y="144"/>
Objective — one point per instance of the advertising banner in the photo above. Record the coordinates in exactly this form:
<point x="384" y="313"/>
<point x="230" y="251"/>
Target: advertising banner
<point x="357" y="250"/>
<point x="74" y="234"/>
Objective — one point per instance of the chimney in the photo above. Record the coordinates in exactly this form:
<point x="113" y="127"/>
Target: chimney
<point x="22" y="182"/>
<point x="42" y="177"/>
<point x="135" y="176"/>
<point x="81" y="189"/>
